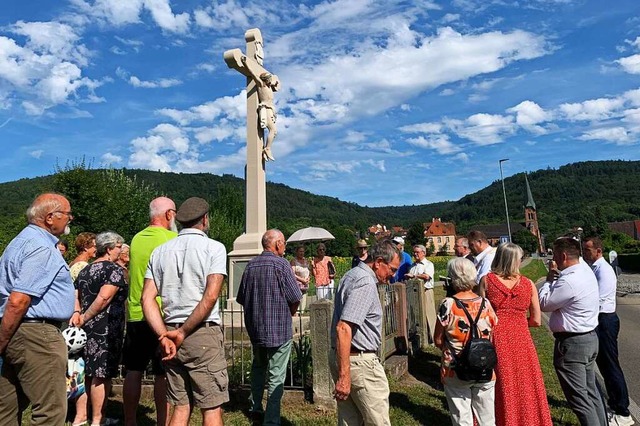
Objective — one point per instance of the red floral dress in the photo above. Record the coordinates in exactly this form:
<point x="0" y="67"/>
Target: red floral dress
<point x="521" y="398"/>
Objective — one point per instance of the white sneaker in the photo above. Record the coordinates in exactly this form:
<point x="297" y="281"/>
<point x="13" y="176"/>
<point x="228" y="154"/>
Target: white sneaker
<point x="618" y="420"/>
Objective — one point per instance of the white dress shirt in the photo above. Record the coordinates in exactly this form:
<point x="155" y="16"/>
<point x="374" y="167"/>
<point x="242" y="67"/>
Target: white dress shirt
<point x="572" y="300"/>
<point x="483" y="262"/>
<point x="425" y="266"/>
<point x="607" y="284"/>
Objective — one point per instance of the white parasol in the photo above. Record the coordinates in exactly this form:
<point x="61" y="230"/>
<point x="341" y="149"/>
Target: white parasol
<point x="310" y="234"/>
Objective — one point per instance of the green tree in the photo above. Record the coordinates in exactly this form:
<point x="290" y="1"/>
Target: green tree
<point x="431" y="248"/>
<point x="227" y="215"/>
<point x="526" y="240"/>
<point x="104" y="200"/>
<point x="415" y="234"/>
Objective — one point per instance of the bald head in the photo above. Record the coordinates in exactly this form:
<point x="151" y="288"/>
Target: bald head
<point x="273" y="241"/>
<point x="51" y="212"/>
<point x="43" y="205"/>
<point x="162" y="211"/>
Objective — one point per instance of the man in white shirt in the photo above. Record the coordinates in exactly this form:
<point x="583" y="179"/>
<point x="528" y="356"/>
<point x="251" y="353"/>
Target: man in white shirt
<point x="571" y="295"/>
<point x="187" y="273"/>
<point x="423" y="270"/>
<point x="608" y="329"/>
<point x="483" y="252"/>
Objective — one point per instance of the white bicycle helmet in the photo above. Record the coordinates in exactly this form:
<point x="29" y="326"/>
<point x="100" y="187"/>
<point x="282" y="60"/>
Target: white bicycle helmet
<point x="76" y="338"/>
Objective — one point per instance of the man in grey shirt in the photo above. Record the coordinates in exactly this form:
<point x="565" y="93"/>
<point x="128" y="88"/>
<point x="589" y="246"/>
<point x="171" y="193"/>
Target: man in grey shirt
<point x="357" y="332"/>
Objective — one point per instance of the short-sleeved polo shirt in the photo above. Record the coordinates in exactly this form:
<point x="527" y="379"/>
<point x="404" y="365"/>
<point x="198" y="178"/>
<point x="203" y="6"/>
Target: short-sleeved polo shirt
<point x="357" y="302"/>
<point x="180" y="268"/>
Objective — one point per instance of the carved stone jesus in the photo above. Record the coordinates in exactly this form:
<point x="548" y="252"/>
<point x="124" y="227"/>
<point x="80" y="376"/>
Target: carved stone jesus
<point x="266" y="84"/>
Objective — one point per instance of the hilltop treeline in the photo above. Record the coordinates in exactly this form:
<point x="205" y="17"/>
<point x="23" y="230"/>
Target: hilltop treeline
<point x="586" y="194"/>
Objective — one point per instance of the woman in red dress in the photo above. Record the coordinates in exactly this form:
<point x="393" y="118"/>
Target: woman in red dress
<point x="521" y="398"/>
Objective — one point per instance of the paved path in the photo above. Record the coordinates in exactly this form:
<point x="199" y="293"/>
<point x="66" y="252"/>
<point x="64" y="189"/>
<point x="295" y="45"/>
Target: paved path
<point x="628" y="345"/>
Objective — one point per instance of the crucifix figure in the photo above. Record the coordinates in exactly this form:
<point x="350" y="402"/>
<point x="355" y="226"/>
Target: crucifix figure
<point x="264" y="83"/>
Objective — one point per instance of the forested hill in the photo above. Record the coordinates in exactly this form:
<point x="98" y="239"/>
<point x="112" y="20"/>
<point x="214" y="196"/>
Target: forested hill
<point x="572" y="195"/>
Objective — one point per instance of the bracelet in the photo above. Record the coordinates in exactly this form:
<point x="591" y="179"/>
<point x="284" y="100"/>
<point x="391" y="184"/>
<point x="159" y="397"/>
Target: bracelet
<point x="77" y="312"/>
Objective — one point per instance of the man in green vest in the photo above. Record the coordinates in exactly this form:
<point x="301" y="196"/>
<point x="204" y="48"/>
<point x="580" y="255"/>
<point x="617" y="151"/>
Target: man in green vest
<point x="141" y="343"/>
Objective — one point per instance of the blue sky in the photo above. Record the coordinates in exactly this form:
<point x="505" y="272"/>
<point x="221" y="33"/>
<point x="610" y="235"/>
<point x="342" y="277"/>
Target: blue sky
<point x="382" y="102"/>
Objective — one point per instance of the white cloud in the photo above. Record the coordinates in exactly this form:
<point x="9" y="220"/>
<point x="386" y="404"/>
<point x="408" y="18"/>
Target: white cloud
<point x="110" y="158"/>
<point x="120" y="13"/>
<point x="153" y="84"/>
<point x="422" y="128"/>
<point x="162" y="83"/>
<point x="47" y="69"/>
<point x="529" y="113"/>
<point x="593" y="109"/>
<point x="630" y="64"/>
<point x="231" y="107"/>
<point x="437" y="142"/>
<point x="484" y="129"/>
<point x="224" y="15"/>
<point x="617" y="135"/>
<point x="387" y="77"/>
<point x="463" y="157"/>
<point x="450" y="17"/>
<point x="37" y="153"/>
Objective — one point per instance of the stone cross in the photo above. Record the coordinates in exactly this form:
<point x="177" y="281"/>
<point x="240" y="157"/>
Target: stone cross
<point x="249" y="244"/>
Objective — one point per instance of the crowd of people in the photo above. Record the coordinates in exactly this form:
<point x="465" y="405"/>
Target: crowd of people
<point x="157" y="301"/>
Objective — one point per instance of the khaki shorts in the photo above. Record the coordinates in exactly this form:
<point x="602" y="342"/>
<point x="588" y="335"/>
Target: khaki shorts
<point x="198" y="373"/>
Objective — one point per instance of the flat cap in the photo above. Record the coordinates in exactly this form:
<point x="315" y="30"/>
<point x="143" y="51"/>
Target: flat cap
<point x="192" y="209"/>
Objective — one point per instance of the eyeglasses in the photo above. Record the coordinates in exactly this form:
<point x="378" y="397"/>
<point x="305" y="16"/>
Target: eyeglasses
<point x="394" y="270"/>
<point x="68" y="214"/>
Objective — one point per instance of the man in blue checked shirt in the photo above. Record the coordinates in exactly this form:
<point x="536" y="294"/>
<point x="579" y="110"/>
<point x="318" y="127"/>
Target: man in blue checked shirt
<point x="270" y="297"/>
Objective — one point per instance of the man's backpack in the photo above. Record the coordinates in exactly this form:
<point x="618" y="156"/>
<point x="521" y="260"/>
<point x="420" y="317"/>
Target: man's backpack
<point x="476" y="361"/>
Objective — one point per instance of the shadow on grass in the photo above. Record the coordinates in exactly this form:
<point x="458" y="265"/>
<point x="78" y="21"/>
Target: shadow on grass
<point x="424" y="414"/>
<point x="146" y="414"/>
<point x="425" y="366"/>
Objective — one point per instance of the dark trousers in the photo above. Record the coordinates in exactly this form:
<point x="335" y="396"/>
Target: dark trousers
<point x="607" y="360"/>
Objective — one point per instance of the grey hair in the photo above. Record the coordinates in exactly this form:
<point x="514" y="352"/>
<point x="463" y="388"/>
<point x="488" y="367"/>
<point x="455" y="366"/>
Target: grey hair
<point x="270" y="237"/>
<point x="506" y="262"/>
<point x="41" y="207"/>
<point x="420" y="247"/>
<point x="385" y="250"/>
<point x="464" y="242"/>
<point x="463" y="273"/>
<point x="107" y="240"/>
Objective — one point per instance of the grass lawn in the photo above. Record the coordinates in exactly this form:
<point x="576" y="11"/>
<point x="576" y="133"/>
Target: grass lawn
<point x="416" y="399"/>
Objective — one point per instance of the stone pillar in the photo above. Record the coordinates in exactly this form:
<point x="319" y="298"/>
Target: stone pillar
<point x="323" y="385"/>
<point x="248" y="245"/>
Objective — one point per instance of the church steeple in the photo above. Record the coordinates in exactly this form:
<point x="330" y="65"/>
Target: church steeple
<point x="530" y="202"/>
<point x="531" y="216"/>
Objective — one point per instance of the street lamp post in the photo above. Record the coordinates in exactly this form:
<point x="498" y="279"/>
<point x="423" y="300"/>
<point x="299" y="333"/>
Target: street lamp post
<point x="504" y="193"/>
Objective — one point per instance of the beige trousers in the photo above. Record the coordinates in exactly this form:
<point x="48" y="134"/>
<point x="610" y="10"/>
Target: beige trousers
<point x="35" y="364"/>
<point x="368" y="403"/>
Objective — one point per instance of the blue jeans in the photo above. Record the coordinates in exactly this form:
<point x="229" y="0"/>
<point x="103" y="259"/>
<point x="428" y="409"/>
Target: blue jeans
<point x="574" y="358"/>
<point x="618" y="395"/>
<point x="269" y="367"/>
